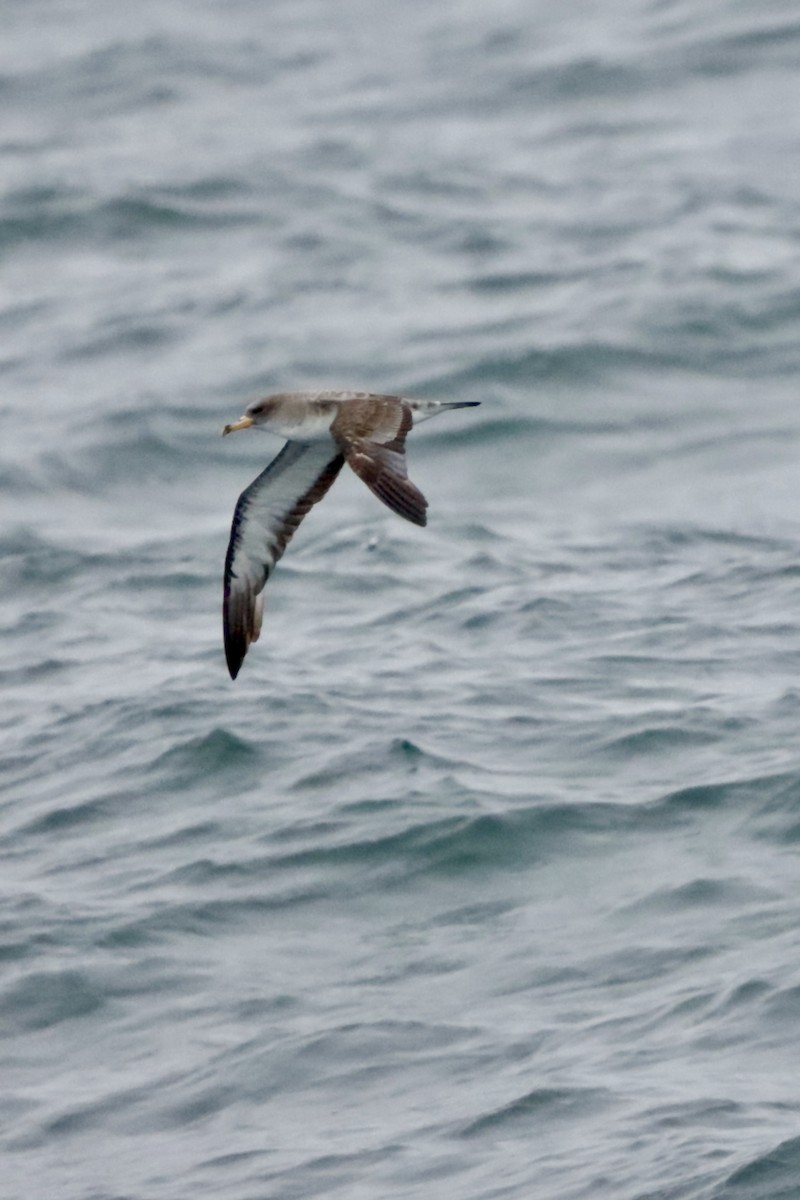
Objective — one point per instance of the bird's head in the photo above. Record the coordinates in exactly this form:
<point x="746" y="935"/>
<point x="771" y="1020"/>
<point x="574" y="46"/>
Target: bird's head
<point x="257" y="413"/>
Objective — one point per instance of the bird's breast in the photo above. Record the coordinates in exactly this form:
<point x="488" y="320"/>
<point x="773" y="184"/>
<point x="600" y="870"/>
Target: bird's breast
<point x="310" y="427"/>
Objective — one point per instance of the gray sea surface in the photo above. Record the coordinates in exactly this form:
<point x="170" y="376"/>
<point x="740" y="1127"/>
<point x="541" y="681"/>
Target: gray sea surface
<point x="481" y="881"/>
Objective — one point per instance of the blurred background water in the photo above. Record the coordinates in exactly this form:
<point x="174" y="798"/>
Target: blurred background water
<point x="481" y="880"/>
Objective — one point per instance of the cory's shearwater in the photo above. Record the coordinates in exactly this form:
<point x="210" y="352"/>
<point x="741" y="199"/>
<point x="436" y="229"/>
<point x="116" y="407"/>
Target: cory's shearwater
<point x="323" y="431"/>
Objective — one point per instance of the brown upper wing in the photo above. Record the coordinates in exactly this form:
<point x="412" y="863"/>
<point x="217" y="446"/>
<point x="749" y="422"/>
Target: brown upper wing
<point x="372" y="433"/>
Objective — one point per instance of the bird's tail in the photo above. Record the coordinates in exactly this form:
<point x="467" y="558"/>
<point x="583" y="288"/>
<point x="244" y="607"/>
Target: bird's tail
<point x="422" y="409"/>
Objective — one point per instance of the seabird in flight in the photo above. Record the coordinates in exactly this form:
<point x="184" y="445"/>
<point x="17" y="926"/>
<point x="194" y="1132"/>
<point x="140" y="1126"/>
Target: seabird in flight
<point x="323" y="431"/>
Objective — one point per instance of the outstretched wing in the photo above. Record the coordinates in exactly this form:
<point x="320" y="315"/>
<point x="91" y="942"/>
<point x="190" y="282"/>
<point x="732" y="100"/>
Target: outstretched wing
<point x="372" y="435"/>
<point x="266" y="515"/>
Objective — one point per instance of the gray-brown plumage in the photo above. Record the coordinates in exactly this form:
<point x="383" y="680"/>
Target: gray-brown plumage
<point x="323" y="431"/>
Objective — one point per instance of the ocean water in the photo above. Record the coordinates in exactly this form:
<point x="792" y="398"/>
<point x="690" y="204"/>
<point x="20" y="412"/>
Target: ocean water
<point x="481" y="881"/>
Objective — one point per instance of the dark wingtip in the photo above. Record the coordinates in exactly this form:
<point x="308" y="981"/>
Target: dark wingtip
<point x="234" y="658"/>
<point x="235" y="645"/>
